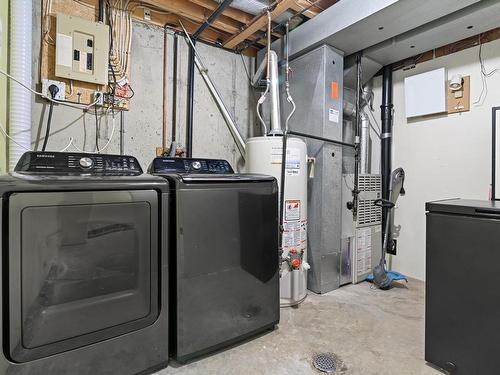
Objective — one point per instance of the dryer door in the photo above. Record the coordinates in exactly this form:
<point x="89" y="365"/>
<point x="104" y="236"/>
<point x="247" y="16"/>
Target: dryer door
<point x="83" y="267"/>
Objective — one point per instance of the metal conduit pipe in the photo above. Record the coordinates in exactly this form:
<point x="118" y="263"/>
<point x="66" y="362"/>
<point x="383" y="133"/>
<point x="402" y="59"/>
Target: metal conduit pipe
<point x="231" y="124"/>
<point x="274" y="91"/>
<point x="365" y="144"/>
<point x="191" y="63"/>
<point x="165" y="86"/>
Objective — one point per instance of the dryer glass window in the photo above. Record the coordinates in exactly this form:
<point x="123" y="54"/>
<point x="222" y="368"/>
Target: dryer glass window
<point x="85" y="269"/>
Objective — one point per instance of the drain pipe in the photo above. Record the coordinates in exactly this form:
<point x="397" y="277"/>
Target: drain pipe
<point x="20" y="63"/>
<point x="386" y="139"/>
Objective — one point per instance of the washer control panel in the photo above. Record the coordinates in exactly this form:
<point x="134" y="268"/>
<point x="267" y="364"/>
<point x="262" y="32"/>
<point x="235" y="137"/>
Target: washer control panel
<point x="189" y="165"/>
<point x="78" y="163"/>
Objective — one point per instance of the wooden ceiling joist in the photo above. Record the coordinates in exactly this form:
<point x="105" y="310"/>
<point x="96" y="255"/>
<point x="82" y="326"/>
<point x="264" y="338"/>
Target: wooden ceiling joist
<point x="196" y="13"/>
<point x="258" y="23"/>
<point x="232" y="28"/>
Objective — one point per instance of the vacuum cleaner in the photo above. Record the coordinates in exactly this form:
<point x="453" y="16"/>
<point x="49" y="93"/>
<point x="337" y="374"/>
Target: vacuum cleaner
<point x="381" y="277"/>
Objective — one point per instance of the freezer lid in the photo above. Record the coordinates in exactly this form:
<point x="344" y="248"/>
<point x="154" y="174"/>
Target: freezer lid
<point x="464" y="207"/>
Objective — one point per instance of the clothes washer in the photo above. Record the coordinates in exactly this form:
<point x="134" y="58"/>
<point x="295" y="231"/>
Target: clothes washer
<point x="84" y="283"/>
<point x="225" y="266"/>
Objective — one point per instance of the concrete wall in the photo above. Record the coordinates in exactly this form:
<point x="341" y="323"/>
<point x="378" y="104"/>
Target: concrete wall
<point x="143" y="123"/>
<point x="444" y="156"/>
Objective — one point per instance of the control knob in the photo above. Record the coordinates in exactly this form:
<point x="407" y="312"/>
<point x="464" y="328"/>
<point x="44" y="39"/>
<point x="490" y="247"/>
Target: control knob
<point x="86" y="162"/>
<point x="196" y="165"/>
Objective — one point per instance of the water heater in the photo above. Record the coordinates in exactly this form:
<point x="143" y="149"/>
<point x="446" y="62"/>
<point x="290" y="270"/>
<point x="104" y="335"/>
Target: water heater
<point x="264" y="155"/>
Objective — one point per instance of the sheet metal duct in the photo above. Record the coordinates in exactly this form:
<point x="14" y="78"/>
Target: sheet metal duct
<point x="482" y="16"/>
<point x="250" y="6"/>
<point x="354" y="25"/>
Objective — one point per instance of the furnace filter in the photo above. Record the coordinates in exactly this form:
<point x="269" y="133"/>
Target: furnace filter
<point x="264" y="155"/>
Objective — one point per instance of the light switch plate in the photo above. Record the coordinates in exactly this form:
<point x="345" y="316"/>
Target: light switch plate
<point x="82" y="50"/>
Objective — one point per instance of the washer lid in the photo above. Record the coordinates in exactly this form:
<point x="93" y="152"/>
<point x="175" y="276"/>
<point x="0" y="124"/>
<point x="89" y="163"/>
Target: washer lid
<point x="162" y="166"/>
<point x="215" y="178"/>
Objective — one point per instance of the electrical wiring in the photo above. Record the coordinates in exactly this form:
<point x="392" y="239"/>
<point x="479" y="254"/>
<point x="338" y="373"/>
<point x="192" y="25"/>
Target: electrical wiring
<point x="484" y="75"/>
<point x="97" y="130"/>
<point x="112" y="133"/>
<point x="68" y="146"/>
<point x="4" y="132"/>
<point x="46" y="23"/>
<point x="62" y="102"/>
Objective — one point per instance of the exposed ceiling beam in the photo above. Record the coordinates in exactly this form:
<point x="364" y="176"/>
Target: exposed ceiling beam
<point x="196" y="13"/>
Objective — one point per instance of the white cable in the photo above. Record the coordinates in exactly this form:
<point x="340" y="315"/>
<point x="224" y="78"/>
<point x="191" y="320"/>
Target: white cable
<point x="4" y="131"/>
<point x="68" y="146"/>
<point x="111" y="135"/>
<point x="62" y="102"/>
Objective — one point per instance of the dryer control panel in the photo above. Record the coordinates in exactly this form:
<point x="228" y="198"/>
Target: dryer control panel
<point x="190" y="165"/>
<point x="77" y="163"/>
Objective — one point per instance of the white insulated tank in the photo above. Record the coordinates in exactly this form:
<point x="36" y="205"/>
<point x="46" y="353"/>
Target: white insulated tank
<point x="264" y="155"/>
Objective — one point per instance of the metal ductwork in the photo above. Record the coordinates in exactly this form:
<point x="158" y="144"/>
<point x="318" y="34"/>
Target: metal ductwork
<point x="482" y="16"/>
<point x="354" y="25"/>
<point x="250" y="6"/>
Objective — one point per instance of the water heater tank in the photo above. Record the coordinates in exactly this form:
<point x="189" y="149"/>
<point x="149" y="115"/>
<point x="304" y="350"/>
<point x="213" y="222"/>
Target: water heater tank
<point x="264" y="155"/>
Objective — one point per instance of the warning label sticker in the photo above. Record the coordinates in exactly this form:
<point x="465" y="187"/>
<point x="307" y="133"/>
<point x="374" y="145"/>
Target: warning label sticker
<point x="295" y="235"/>
<point x="292" y="210"/>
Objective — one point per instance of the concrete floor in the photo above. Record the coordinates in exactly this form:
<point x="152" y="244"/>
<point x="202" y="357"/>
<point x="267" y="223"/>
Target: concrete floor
<point x="371" y="331"/>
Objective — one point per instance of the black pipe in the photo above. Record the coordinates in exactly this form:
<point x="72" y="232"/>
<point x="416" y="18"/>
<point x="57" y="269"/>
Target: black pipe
<point x="216" y="13"/>
<point x="100" y="11"/>
<point x="190" y="104"/>
<point x="190" y="94"/>
<point x="494" y="111"/>
<point x="327" y="140"/>
<point x="386" y="141"/>
<point x="355" y="192"/>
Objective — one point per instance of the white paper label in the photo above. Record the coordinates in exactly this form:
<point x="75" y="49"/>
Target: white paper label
<point x="364" y="251"/>
<point x="292" y="161"/>
<point x="64" y="50"/>
<point x="333" y="115"/>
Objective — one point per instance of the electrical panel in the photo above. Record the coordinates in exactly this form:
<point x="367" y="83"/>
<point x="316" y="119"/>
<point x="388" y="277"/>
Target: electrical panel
<point x="82" y="50"/>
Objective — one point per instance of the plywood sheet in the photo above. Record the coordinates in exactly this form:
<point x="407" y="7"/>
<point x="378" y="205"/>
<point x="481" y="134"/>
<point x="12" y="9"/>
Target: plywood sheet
<point x="76" y="91"/>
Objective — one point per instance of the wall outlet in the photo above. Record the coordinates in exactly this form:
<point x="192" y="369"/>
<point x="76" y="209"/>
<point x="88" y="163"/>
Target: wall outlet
<point x="99" y="98"/>
<point x="61" y="94"/>
<point x="147" y="14"/>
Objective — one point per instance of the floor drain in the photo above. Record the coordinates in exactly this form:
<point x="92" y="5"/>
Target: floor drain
<point x="325" y="362"/>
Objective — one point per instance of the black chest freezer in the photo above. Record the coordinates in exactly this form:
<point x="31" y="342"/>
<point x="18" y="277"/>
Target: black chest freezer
<point x="462" y="330"/>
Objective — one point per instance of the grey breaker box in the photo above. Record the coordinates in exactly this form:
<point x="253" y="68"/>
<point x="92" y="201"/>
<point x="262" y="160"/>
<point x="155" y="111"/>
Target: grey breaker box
<point x="82" y="49"/>
<point x="316" y="86"/>
<point x="361" y="239"/>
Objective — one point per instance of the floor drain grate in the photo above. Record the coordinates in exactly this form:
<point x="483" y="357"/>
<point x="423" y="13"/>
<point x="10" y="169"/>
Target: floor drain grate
<point x="325" y="362"/>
